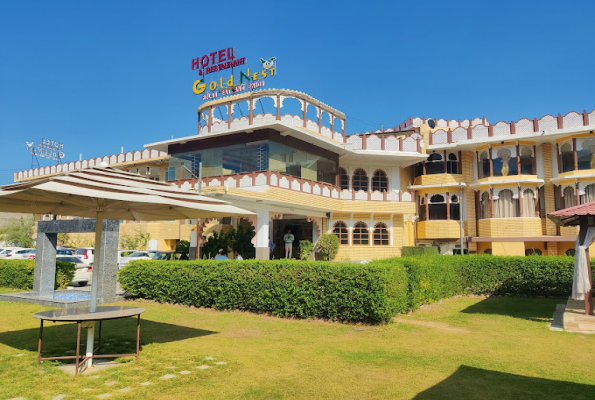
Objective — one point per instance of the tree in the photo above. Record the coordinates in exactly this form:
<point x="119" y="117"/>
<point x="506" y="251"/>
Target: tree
<point x="136" y="241"/>
<point x="20" y="232"/>
<point x="328" y="245"/>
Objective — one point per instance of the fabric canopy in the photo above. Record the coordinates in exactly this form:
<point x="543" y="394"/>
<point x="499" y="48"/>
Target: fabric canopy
<point x="118" y="194"/>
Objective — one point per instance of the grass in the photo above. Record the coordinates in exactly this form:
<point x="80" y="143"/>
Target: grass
<point x="495" y="348"/>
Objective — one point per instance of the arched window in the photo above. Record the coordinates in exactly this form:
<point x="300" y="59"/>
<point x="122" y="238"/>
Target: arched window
<point x="340" y="230"/>
<point x="381" y="235"/>
<point x="571" y="252"/>
<point x="343" y="179"/>
<point x="437" y="207"/>
<point x="484" y="164"/>
<point x="569" y="197"/>
<point x="486" y="206"/>
<point x="435" y="164"/>
<point x="506" y="205"/>
<point x="361" y="236"/>
<point x="567" y="157"/>
<point x="527" y="161"/>
<point x="528" y="203"/>
<point x="501" y="164"/>
<point x="452" y="165"/>
<point x="585" y="156"/>
<point x="533" y="252"/>
<point x="360" y="180"/>
<point x="487" y="251"/>
<point x="589" y="195"/>
<point x="380" y="181"/>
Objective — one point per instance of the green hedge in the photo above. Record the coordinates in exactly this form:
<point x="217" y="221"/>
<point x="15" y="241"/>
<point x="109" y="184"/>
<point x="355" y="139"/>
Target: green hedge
<point x="338" y="291"/>
<point x="373" y="292"/>
<point x="432" y="278"/>
<point x="18" y="274"/>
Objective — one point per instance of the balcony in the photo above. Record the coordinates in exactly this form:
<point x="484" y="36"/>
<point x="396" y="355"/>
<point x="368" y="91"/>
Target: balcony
<point x="510" y="227"/>
<point x="438" y="229"/>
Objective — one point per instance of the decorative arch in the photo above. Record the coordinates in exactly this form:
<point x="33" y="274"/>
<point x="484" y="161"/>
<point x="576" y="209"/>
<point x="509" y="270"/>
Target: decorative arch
<point x="381" y="235"/>
<point x="359" y="180"/>
<point x="343" y="179"/>
<point x="340" y="230"/>
<point x="380" y="181"/>
<point x="360" y="235"/>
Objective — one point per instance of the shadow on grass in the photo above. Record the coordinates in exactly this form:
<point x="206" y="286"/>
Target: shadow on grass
<point x="117" y="336"/>
<point x="532" y="309"/>
<point x="476" y="383"/>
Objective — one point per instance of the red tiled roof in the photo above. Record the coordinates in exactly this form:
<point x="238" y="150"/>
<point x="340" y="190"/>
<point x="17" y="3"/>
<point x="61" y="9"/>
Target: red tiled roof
<point x="571" y="215"/>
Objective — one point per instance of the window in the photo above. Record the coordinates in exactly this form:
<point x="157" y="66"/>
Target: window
<point x="380" y="181"/>
<point x="437" y="207"/>
<point x="527" y="161"/>
<point x="455" y="207"/>
<point x="589" y="195"/>
<point x="501" y="164"/>
<point x="343" y="179"/>
<point x="533" y="252"/>
<point x="360" y="180"/>
<point x="487" y="251"/>
<point x="452" y="165"/>
<point x="340" y="230"/>
<point x="567" y="157"/>
<point x="381" y="237"/>
<point x="361" y="234"/>
<point x="484" y="164"/>
<point x="435" y="164"/>
<point x="170" y="174"/>
<point x="486" y="206"/>
<point x="568" y="197"/>
<point x="506" y="205"/>
<point x="528" y="203"/>
<point x="571" y="252"/>
<point x="422" y="208"/>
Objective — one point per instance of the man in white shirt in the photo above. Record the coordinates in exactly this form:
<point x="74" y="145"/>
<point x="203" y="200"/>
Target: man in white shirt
<point x="288" y="239"/>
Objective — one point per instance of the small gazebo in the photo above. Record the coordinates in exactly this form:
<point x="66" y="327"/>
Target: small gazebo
<point x="583" y="216"/>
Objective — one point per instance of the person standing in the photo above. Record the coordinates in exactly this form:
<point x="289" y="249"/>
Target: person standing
<point x="221" y="255"/>
<point x="238" y="255"/>
<point x="271" y="248"/>
<point x="288" y="239"/>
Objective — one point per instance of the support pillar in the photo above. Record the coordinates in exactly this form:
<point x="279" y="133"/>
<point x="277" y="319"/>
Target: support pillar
<point x="262" y="235"/>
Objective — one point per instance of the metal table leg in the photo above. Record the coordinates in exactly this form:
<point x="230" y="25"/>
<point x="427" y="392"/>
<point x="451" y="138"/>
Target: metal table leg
<point x="39" y="343"/>
<point x="78" y="346"/>
<point x="137" y="336"/>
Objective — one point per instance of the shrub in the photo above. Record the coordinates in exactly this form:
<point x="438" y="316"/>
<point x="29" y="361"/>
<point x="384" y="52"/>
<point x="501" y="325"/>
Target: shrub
<point x="306" y="248"/>
<point x="18" y="274"/>
<point x="328" y="245"/>
<point x="338" y="291"/>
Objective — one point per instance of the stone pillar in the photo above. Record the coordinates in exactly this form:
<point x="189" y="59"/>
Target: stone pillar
<point x="262" y="235"/>
<point x="107" y="274"/>
<point x="44" y="274"/>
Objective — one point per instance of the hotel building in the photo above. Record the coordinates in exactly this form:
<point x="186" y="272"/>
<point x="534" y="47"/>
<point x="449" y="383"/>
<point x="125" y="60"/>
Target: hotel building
<point x="426" y="182"/>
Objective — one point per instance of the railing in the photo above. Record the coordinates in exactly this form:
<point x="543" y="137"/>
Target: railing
<point x="410" y="143"/>
<point x="285" y="181"/>
<point x="131" y="156"/>
<point x="502" y="129"/>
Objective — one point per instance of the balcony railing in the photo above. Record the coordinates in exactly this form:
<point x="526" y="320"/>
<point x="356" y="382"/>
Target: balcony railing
<point x="502" y="129"/>
<point x="281" y="180"/>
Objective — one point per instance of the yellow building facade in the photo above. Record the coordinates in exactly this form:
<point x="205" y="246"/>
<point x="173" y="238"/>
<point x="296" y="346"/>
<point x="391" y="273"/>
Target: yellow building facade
<point x="286" y="156"/>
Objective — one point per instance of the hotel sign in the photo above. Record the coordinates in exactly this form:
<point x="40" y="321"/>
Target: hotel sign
<point x="47" y="149"/>
<point x="223" y="60"/>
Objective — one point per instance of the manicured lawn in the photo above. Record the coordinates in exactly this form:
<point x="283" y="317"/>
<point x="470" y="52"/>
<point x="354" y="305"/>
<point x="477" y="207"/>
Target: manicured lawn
<point x="497" y="348"/>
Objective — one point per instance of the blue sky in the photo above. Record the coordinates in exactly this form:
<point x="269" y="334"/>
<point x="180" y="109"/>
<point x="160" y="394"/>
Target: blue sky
<point x="99" y="75"/>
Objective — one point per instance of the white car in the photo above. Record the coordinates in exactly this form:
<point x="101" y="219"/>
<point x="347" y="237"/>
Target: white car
<point x="86" y="254"/>
<point x="82" y="274"/>
<point x="137" y="255"/>
<point x="24" y="254"/>
<point x="124" y="253"/>
<point x="8" y="252"/>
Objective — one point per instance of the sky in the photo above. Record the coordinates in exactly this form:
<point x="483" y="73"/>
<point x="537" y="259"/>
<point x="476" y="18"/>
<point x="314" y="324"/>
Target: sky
<point x="99" y="76"/>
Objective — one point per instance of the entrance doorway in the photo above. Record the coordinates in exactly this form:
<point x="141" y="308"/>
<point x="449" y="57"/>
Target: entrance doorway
<point x="301" y="229"/>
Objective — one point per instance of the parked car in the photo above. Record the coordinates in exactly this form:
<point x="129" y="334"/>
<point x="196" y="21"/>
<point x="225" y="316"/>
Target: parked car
<point x="137" y="255"/>
<point x="8" y="252"/>
<point x="170" y="255"/>
<point x="82" y="274"/>
<point x="24" y="254"/>
<point x="124" y="253"/>
<point x="65" y="252"/>
<point x="86" y="254"/>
